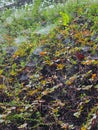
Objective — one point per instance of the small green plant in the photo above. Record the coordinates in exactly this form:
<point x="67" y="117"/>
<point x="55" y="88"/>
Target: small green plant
<point x="65" y="18"/>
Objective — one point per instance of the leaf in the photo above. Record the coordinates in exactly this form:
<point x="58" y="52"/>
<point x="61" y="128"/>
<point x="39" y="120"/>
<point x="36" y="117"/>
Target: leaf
<point x="79" y="56"/>
<point x="43" y="82"/>
<point x="2" y="106"/>
<point x="86" y="33"/>
<point x="83" y="128"/>
<point x="23" y="126"/>
<point x="89" y="62"/>
<point x="60" y="103"/>
<point x="32" y="92"/>
<point x="71" y="80"/>
<point x="80" y="10"/>
<point x="60" y="66"/>
<point x="65" y="18"/>
<point x="77" y="114"/>
<point x="86" y="87"/>
<point x="2" y="87"/>
<point x="14" y="66"/>
<point x="13" y="73"/>
<point x="1" y="71"/>
<point x="73" y="61"/>
<point x="94" y="76"/>
<point x="55" y="110"/>
<point x="64" y="126"/>
<point x="45" y="92"/>
<point x="15" y="56"/>
<point x="96" y="86"/>
<point x="43" y="53"/>
<point x="3" y="116"/>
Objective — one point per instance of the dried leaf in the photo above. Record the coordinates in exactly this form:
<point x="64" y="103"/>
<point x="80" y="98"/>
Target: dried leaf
<point x="60" y="66"/>
<point x="45" y="92"/>
<point x="23" y="126"/>
<point x="83" y="128"/>
<point x="89" y="62"/>
<point x="79" y="56"/>
<point x="71" y="80"/>
<point x="77" y="114"/>
<point x="87" y="87"/>
<point x="43" y="53"/>
<point x="65" y="126"/>
<point x="94" y="76"/>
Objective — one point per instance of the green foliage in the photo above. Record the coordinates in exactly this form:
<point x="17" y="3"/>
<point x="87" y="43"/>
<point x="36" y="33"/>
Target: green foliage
<point x="65" y="18"/>
<point x="36" y="6"/>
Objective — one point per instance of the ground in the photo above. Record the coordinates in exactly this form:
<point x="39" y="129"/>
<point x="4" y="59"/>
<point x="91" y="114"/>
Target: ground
<point x="55" y="86"/>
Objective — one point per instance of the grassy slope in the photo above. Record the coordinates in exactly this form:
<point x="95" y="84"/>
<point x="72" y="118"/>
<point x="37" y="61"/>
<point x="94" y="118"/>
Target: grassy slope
<point x="56" y="86"/>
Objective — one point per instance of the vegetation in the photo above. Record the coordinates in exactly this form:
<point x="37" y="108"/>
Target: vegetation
<point x="49" y="81"/>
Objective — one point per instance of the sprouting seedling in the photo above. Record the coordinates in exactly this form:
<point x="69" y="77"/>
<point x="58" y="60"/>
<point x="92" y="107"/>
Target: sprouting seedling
<point x="65" y="18"/>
